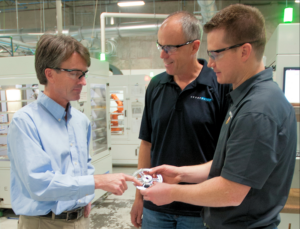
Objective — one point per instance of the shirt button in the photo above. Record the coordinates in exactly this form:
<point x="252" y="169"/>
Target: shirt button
<point x="59" y="119"/>
<point x="71" y="144"/>
<point x="79" y="201"/>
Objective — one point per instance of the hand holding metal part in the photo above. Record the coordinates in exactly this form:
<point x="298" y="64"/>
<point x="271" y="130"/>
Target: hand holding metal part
<point x="146" y="179"/>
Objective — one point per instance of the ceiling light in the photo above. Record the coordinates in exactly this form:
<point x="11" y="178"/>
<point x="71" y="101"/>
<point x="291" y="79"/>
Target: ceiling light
<point x="131" y="3"/>
<point x="297" y="1"/>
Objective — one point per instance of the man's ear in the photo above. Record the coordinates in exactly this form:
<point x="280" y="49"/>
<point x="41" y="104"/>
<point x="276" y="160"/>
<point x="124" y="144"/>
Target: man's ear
<point x="49" y="74"/>
<point x="246" y="51"/>
<point x="196" y="46"/>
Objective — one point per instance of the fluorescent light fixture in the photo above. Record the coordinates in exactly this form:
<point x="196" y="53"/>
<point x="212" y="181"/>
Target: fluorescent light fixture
<point x="131" y="3"/>
<point x="288" y="15"/>
<point x="297" y="1"/>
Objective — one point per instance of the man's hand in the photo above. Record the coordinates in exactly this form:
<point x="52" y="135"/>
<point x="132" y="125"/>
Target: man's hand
<point x="159" y="194"/>
<point x="114" y="183"/>
<point x="170" y="174"/>
<point x="137" y="212"/>
<point x="87" y="210"/>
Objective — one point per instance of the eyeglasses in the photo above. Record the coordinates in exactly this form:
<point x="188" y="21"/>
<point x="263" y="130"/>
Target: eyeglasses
<point x="213" y="54"/>
<point x="73" y="73"/>
<point x="169" y="49"/>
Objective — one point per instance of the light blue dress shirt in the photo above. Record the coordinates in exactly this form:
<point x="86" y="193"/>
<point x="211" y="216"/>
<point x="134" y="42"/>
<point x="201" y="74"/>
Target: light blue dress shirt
<point x="50" y="163"/>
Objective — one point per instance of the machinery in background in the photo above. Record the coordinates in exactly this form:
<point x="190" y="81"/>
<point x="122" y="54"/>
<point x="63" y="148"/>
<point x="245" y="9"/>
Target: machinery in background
<point x="114" y="116"/>
<point x="282" y="53"/>
<point x="282" y="50"/>
<point x="19" y="86"/>
<point x="127" y="97"/>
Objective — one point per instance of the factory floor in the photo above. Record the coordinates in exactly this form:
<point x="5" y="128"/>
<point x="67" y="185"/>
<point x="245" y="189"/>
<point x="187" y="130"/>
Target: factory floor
<point x="112" y="213"/>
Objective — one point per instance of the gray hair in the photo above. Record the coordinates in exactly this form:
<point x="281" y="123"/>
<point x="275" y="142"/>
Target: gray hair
<point x="52" y="50"/>
<point x="191" y="26"/>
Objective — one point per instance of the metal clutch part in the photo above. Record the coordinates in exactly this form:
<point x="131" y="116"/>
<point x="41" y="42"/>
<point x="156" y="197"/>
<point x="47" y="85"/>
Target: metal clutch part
<point x="146" y="179"/>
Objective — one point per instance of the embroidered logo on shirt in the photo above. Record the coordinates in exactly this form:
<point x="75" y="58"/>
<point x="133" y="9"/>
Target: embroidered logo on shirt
<point x="230" y="116"/>
<point x="201" y="98"/>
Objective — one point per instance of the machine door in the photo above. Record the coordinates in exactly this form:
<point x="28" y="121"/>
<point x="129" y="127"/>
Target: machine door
<point x="13" y="98"/>
<point x="118" y="112"/>
<point x="98" y="119"/>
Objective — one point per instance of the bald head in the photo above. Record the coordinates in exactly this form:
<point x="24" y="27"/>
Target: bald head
<point x="187" y="23"/>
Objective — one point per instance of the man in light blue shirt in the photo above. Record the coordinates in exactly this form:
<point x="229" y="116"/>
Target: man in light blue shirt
<point x="52" y="181"/>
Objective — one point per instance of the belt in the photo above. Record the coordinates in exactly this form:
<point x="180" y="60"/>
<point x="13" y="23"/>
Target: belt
<point x="67" y="215"/>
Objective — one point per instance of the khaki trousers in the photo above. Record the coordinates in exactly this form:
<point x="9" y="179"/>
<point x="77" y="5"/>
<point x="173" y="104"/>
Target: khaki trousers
<point x="37" y="222"/>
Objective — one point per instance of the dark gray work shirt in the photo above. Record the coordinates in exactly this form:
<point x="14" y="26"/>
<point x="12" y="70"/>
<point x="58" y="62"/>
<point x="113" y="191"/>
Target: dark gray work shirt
<point x="257" y="148"/>
<point x="183" y="125"/>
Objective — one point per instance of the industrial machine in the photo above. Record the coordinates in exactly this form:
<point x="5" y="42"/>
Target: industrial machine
<point x="282" y="53"/>
<point x="19" y="86"/>
<point x="127" y="98"/>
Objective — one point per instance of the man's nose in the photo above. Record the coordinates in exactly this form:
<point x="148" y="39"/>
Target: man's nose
<point x="163" y="54"/>
<point x="82" y="81"/>
<point x="211" y="63"/>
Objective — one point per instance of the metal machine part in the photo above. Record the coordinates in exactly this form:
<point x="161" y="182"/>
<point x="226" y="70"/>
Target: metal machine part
<point x="147" y="180"/>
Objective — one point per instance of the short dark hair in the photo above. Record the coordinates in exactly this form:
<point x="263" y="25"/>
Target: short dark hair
<point x="52" y="50"/>
<point x="242" y="24"/>
<point x="191" y="26"/>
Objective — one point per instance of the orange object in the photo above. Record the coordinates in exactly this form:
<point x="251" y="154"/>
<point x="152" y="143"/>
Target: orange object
<point x="119" y="111"/>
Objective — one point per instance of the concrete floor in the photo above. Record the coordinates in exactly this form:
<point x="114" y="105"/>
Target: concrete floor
<point x="112" y="213"/>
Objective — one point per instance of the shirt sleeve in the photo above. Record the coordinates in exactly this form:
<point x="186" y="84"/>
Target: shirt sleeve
<point x="146" y="127"/>
<point x="90" y="167"/>
<point x="32" y="165"/>
<point x="250" y="151"/>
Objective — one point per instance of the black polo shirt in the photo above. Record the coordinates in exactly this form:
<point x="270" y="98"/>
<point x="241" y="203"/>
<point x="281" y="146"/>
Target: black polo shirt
<point x="257" y="148"/>
<point x="183" y="125"/>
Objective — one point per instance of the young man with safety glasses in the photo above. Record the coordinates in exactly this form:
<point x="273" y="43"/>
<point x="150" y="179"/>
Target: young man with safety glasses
<point x="247" y="183"/>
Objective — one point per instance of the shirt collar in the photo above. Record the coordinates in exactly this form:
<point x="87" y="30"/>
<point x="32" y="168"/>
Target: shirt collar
<point x="205" y="77"/>
<point x="53" y="107"/>
<point x="240" y="92"/>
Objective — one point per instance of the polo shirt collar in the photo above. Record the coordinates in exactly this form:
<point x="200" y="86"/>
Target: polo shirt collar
<point x="205" y="76"/>
<point x="53" y="107"/>
<point x="240" y="92"/>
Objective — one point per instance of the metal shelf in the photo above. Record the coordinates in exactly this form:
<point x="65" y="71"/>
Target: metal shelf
<point x="117" y="126"/>
<point x="101" y="149"/>
<point x="99" y="139"/>
<point x="117" y="113"/>
<point x="95" y="109"/>
<point x="101" y="128"/>
<point x="97" y="119"/>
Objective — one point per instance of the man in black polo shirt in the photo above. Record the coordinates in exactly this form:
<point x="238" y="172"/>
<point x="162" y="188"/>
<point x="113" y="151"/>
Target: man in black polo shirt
<point x="184" y="111"/>
<point x="247" y="183"/>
